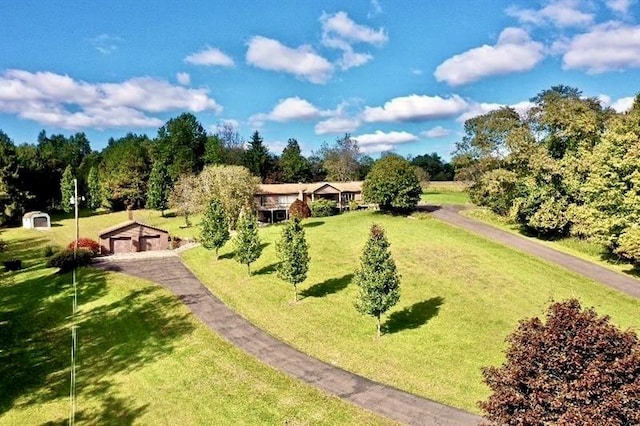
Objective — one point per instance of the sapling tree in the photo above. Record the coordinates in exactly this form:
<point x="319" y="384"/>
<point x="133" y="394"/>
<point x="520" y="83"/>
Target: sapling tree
<point x="575" y="369"/>
<point x="94" y="189"/>
<point x="160" y="186"/>
<point x="67" y="189"/>
<point x="377" y="277"/>
<point x="248" y="247"/>
<point x="214" y="230"/>
<point x="293" y="254"/>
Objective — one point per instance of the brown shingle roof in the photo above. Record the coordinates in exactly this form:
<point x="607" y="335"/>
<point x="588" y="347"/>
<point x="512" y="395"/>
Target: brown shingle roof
<point x="307" y="188"/>
<point x="125" y="224"/>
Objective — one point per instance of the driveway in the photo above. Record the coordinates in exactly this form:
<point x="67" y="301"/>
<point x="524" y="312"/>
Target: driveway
<point x="387" y="401"/>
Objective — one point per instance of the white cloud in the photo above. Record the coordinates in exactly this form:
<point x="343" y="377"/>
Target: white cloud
<point x="619" y="6"/>
<point x="620" y="105"/>
<point x="436" y="132"/>
<point x="341" y="26"/>
<point x="105" y="43"/>
<point x="416" y="71"/>
<point x="59" y="100"/>
<point x="607" y="47"/>
<point x="376" y="9"/>
<point x="275" y="147"/>
<point x="477" y="109"/>
<point x="514" y="52"/>
<point x="210" y="56"/>
<point x="561" y="13"/>
<point x="183" y="78"/>
<point x="380" y="137"/>
<point x="414" y="108"/>
<point x="351" y="59"/>
<point x="289" y="109"/>
<point x="337" y="125"/>
<point x="302" y="61"/>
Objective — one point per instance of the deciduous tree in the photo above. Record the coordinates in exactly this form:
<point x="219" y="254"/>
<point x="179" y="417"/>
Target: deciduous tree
<point x="293" y="255"/>
<point x="181" y="145"/>
<point x="159" y="187"/>
<point x="214" y="231"/>
<point x="184" y="197"/>
<point x="341" y="160"/>
<point x="392" y="184"/>
<point x="377" y="278"/>
<point x="574" y="369"/>
<point x="248" y="246"/>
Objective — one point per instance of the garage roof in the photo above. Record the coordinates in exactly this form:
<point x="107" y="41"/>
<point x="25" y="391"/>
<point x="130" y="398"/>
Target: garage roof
<point x="127" y="224"/>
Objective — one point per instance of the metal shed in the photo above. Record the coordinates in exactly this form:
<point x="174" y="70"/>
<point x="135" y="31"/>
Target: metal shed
<point x="131" y="237"/>
<point x="36" y="220"/>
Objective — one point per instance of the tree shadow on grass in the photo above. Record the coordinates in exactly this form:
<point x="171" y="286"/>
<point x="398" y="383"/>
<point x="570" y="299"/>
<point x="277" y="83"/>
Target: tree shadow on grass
<point x="413" y="316"/>
<point x="313" y="224"/>
<point x="269" y="269"/>
<point x="330" y="286"/>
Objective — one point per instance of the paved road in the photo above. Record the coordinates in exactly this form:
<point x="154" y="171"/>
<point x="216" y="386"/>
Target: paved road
<point x="376" y="397"/>
<point x="616" y="280"/>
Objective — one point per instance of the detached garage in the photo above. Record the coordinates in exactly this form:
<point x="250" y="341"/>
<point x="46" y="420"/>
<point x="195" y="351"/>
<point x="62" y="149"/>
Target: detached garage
<point x="132" y="236"/>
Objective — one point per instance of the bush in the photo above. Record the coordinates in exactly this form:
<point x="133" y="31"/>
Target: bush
<point x="323" y="208"/>
<point x="12" y="265"/>
<point x="49" y="250"/>
<point x="64" y="260"/>
<point x="175" y="242"/>
<point x="87" y="244"/>
<point x="392" y="184"/>
<point x="299" y="210"/>
<point x="575" y="369"/>
<point x="495" y="189"/>
<point x="629" y="245"/>
<point x="353" y="205"/>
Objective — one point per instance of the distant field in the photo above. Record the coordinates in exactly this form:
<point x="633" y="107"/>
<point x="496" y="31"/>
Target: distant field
<point x="449" y="192"/>
<point x="461" y="296"/>
<point x="143" y="358"/>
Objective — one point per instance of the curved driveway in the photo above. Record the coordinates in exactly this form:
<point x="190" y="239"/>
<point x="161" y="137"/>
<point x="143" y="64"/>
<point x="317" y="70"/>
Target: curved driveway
<point x="385" y="400"/>
<point x="451" y="214"/>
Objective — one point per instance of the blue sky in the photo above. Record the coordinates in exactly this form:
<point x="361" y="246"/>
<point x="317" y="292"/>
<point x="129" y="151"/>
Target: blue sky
<point x="397" y="76"/>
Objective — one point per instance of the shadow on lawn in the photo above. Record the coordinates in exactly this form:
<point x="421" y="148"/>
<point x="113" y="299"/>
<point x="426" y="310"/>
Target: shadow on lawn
<point x="116" y="337"/>
<point x="413" y="316"/>
<point x="313" y="224"/>
<point x="269" y="269"/>
<point x="330" y="286"/>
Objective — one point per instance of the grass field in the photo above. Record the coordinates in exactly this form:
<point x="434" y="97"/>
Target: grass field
<point x="446" y="193"/>
<point x="142" y="358"/>
<point x="461" y="296"/>
<point x="587" y="250"/>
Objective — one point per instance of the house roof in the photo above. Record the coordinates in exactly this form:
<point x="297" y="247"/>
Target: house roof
<point x="29" y="215"/>
<point x="125" y="224"/>
<point x="307" y="188"/>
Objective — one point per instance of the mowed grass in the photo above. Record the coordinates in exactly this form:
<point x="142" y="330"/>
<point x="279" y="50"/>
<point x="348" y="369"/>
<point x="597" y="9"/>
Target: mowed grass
<point x="446" y="193"/>
<point x="142" y="357"/>
<point x="584" y="249"/>
<point x="461" y="296"/>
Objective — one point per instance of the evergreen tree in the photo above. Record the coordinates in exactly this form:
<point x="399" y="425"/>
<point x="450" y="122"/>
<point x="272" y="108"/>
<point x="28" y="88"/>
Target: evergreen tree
<point x="160" y="186"/>
<point x="248" y="247"/>
<point x="295" y="168"/>
<point x="256" y="156"/>
<point x="94" y="189"/>
<point x="293" y="254"/>
<point x="377" y="278"/>
<point x="215" y="227"/>
<point x="67" y="189"/>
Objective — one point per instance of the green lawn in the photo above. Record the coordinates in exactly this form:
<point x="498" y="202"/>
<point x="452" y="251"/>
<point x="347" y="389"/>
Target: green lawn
<point x="461" y="296"/>
<point x="446" y="193"/>
<point x="143" y="358"/>
<point x="587" y="250"/>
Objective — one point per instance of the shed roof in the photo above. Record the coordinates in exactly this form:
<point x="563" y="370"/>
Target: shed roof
<point x="126" y="224"/>
<point x="29" y="215"/>
<point x="307" y="188"/>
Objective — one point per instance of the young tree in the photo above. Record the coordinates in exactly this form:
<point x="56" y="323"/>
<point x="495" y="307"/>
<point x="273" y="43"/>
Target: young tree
<point x="392" y="184"/>
<point x="159" y="187"/>
<point x="377" y="278"/>
<point x="214" y="227"/>
<point x="293" y="254"/>
<point x="577" y="368"/>
<point x="67" y="189"/>
<point x="248" y="246"/>
<point x="183" y="197"/>
<point x="94" y="189"/>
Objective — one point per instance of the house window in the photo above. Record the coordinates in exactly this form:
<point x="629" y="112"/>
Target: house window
<point x="286" y="200"/>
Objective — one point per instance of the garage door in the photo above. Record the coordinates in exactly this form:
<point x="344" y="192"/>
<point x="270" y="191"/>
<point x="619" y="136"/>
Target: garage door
<point x="150" y="243"/>
<point x="40" y="222"/>
<point x="120" y="245"/>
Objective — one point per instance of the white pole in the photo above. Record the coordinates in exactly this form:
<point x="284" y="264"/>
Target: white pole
<point x="74" y="344"/>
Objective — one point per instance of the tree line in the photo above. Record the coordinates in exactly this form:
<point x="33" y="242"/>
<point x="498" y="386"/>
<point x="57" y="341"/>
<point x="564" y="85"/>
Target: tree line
<point x="135" y="170"/>
<point x="568" y="167"/>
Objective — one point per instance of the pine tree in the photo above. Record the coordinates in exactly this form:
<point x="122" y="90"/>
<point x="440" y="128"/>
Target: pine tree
<point x="293" y="253"/>
<point x="256" y="156"/>
<point x="159" y="187"/>
<point x="215" y="227"/>
<point x="248" y="247"/>
<point x="95" y="190"/>
<point x="67" y="188"/>
<point x="377" y="278"/>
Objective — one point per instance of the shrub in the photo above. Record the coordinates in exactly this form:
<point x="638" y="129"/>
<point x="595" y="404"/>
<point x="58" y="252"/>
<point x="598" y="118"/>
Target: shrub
<point x="64" y="260"/>
<point x="299" y="210"/>
<point x="629" y="245"/>
<point x="87" y="244"/>
<point x="495" y="189"/>
<point x="49" y="250"/>
<point x="353" y="205"/>
<point x="577" y="368"/>
<point x="323" y="208"/>
<point x="392" y="184"/>
<point x="175" y="242"/>
<point x="12" y="265"/>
